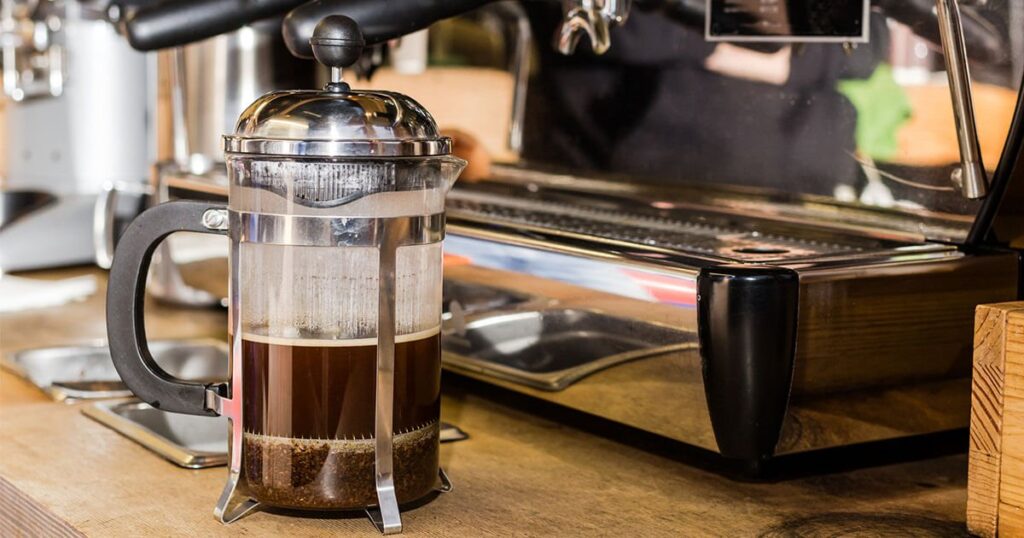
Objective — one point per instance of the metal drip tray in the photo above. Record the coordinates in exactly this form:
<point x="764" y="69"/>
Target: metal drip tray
<point x="684" y="231"/>
<point x="87" y="372"/>
<point x="551" y="349"/>
<point x="475" y="298"/>
<point x="189" y="441"/>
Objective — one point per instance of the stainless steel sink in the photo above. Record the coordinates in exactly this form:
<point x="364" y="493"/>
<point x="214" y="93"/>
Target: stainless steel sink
<point x="551" y="349"/>
<point x="87" y="372"/>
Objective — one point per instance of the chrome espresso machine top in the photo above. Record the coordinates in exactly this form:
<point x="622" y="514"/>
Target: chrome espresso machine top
<point x="751" y="317"/>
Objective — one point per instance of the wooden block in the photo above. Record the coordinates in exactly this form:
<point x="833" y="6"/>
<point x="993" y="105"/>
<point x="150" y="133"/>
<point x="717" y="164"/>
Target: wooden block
<point x="995" y="486"/>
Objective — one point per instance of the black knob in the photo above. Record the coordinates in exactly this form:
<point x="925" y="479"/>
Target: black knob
<point x="337" y="41"/>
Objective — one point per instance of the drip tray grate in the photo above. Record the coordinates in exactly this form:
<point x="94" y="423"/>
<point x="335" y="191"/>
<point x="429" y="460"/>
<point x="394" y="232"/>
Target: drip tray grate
<point x="631" y="223"/>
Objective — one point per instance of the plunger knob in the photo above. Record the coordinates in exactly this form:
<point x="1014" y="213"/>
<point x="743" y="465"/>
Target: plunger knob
<point x="337" y="42"/>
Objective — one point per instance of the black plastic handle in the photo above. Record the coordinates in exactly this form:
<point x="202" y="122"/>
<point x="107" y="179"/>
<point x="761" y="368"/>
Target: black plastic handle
<point x="126" y="293"/>
<point x="380" y="20"/>
<point x="173" y="23"/>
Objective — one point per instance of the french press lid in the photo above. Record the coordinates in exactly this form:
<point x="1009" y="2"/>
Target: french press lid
<point x="337" y="121"/>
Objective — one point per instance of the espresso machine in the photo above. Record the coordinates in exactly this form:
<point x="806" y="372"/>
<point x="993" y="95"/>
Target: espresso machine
<point x="77" y="122"/>
<point x="752" y="320"/>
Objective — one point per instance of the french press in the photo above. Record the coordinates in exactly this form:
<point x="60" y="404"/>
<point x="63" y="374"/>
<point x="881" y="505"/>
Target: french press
<point x="336" y="217"/>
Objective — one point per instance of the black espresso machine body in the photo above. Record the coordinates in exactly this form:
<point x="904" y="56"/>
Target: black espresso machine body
<point x="749" y="321"/>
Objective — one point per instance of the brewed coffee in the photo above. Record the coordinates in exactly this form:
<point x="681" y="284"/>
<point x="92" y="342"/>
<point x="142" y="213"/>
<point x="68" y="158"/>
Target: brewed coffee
<point x="309" y="419"/>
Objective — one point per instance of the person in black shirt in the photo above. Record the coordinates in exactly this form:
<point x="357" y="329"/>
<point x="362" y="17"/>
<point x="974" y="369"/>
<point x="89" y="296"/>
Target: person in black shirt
<point x="666" y="104"/>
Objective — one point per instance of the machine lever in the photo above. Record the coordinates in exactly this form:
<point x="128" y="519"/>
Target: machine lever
<point x="970" y="176"/>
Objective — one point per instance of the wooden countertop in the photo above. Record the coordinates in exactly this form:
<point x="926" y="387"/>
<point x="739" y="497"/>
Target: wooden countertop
<point x="519" y="474"/>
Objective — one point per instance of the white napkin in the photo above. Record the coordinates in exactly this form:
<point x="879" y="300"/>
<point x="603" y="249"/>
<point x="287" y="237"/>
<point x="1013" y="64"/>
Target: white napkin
<point x="20" y="293"/>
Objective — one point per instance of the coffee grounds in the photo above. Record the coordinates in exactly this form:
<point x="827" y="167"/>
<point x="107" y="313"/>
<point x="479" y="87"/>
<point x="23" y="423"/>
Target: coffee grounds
<point x="336" y="474"/>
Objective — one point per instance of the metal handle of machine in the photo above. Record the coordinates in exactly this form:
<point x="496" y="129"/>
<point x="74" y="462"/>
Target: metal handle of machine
<point x="379" y="20"/>
<point x="125" y="300"/>
<point x="514" y="16"/>
<point x="970" y="176"/>
<point x="173" y="23"/>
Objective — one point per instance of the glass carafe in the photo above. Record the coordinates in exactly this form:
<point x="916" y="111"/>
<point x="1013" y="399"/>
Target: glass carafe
<point x="336" y="217"/>
<point x="316" y="236"/>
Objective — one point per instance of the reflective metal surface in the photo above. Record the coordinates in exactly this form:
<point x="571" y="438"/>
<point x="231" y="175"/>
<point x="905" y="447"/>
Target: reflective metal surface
<point x="971" y="178"/>
<point x="86" y="372"/>
<point x="337" y="231"/>
<point x="901" y="224"/>
<point x="515" y="18"/>
<point x="593" y="18"/>
<point x="189" y="441"/>
<point x="465" y="298"/>
<point x="384" y="395"/>
<point x="551" y="349"/>
<point x="32" y="43"/>
<point x="655" y="227"/>
<point x="91" y="131"/>
<point x="872" y="336"/>
<point x="323" y="123"/>
<point x="212" y="83"/>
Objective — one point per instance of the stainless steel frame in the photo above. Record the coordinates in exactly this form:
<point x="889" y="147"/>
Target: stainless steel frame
<point x="329" y="148"/>
<point x="387" y="235"/>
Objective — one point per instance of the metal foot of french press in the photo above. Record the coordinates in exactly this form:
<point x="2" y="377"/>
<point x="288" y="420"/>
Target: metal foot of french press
<point x="386" y="516"/>
<point x="233" y="505"/>
<point x="444" y="485"/>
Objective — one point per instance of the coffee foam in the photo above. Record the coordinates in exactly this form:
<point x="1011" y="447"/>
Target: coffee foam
<point x="325" y="342"/>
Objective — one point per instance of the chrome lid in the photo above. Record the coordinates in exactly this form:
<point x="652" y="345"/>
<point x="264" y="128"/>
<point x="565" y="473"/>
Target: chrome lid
<point x="333" y="123"/>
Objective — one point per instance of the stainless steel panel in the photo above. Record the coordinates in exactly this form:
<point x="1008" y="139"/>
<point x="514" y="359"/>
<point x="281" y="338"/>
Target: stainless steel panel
<point x="873" y="336"/>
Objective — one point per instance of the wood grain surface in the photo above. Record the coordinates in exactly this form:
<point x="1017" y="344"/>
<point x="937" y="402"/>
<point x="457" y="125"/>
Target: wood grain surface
<point x="995" y="505"/>
<point x="519" y="474"/>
